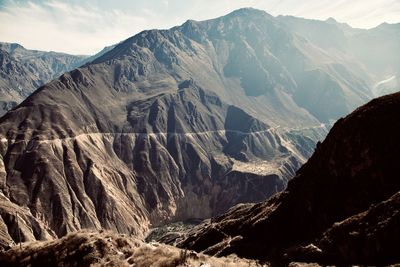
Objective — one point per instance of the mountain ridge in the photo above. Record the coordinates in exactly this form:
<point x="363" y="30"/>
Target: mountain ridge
<point x="23" y="70"/>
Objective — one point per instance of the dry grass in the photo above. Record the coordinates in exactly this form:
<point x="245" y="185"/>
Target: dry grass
<point x="108" y="249"/>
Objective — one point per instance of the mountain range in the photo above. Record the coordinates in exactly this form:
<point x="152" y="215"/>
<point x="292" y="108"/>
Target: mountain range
<point x="22" y="71"/>
<point x="185" y="123"/>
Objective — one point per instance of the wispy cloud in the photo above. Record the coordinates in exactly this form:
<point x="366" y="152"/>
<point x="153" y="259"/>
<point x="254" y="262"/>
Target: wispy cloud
<point x="69" y="28"/>
<point x="85" y="27"/>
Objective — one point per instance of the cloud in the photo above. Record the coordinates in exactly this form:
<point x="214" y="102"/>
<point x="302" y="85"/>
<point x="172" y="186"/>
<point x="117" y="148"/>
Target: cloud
<point x="85" y="27"/>
<point x="69" y="28"/>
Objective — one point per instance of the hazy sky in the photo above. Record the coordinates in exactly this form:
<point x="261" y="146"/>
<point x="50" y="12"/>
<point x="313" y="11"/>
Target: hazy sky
<point x="85" y="27"/>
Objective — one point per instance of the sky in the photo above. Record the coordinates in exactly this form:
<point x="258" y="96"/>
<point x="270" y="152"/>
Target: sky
<point x="87" y="26"/>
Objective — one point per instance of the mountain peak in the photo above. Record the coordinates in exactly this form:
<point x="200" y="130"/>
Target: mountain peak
<point x="9" y="47"/>
<point x="388" y="26"/>
<point x="248" y="11"/>
<point x="331" y="20"/>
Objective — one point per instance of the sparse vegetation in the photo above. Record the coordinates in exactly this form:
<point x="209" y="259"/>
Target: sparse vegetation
<point x="171" y="230"/>
<point x="108" y="249"/>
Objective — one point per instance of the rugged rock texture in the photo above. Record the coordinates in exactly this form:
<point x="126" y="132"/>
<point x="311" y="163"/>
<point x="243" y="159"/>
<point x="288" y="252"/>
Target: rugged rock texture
<point x="171" y="125"/>
<point x="353" y="170"/>
<point x="22" y="71"/>
<point x="173" y="168"/>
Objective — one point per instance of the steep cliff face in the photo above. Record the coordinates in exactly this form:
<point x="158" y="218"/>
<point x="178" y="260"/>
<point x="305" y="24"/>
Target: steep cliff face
<point x="170" y="125"/>
<point x="352" y="171"/>
<point x="22" y="71"/>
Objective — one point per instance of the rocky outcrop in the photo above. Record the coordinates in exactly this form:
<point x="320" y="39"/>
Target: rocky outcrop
<point x="351" y="177"/>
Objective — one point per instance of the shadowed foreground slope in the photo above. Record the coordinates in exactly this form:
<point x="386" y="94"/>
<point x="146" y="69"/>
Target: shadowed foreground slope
<point x="355" y="169"/>
<point x="108" y="249"/>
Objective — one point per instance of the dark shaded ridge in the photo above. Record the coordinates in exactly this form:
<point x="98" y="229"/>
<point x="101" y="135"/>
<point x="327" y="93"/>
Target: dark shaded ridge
<point x="351" y="170"/>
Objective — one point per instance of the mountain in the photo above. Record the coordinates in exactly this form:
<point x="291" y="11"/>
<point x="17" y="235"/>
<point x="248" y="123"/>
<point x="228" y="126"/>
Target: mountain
<point x="374" y="49"/>
<point x="23" y="70"/>
<point x="171" y="125"/>
<point x="341" y="208"/>
<point x="99" y="54"/>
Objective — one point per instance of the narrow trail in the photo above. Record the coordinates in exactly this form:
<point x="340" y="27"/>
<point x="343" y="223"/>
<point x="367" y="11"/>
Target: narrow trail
<point x="165" y="134"/>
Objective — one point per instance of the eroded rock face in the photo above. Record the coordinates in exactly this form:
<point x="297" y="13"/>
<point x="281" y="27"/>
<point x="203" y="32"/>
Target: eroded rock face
<point x="170" y="166"/>
<point x="351" y="170"/>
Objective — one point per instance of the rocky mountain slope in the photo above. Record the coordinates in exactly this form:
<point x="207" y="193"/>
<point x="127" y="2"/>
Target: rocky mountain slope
<point x="171" y="125"/>
<point x="342" y="207"/>
<point x="22" y="71"/>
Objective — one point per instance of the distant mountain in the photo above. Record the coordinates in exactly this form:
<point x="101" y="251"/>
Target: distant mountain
<point x="342" y="207"/>
<point x="171" y="125"/>
<point x="22" y="71"/>
<point x="99" y="54"/>
<point x="375" y="50"/>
